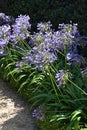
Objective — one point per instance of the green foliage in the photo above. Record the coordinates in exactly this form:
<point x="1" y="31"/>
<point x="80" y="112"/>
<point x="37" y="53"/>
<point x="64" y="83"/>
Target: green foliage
<point x="65" y="107"/>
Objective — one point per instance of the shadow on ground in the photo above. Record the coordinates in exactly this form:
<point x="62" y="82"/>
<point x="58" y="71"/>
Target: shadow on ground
<point x="15" y="113"/>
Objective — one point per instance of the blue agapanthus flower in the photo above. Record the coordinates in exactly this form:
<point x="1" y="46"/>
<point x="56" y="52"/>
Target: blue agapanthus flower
<point x="20" y="30"/>
<point x="62" y="77"/>
<point x="4" y="19"/>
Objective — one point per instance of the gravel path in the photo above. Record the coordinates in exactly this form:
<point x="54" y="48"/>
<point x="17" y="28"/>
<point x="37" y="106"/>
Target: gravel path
<point x="14" y="112"/>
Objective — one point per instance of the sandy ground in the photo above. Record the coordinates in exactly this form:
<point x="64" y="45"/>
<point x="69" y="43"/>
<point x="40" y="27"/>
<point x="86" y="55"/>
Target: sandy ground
<point x="14" y="112"/>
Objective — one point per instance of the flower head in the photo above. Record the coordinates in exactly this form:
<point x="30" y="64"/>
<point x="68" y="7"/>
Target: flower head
<point x="5" y="31"/>
<point x="62" y="77"/>
<point x="20" y="30"/>
<point x="4" y="19"/>
<point x="38" y="113"/>
<point x="46" y="26"/>
<point x="75" y="59"/>
<point x="84" y="72"/>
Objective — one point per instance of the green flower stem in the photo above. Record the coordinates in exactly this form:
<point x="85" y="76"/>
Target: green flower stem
<point x="51" y="77"/>
<point x="77" y="86"/>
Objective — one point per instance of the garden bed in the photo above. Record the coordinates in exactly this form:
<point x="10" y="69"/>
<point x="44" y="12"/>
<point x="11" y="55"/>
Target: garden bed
<point x="48" y="68"/>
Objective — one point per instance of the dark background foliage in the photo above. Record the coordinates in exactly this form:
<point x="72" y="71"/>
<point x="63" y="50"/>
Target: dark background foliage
<point x="57" y="11"/>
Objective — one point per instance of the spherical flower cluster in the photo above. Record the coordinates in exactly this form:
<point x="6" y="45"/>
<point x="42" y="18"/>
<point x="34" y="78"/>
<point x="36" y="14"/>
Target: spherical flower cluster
<point x="20" y="30"/>
<point x="4" y="19"/>
<point x="62" y="77"/>
<point x="4" y="36"/>
<point x="5" y="32"/>
<point x="70" y="30"/>
<point x="20" y="64"/>
<point x="84" y="72"/>
<point x="2" y="45"/>
<point x="75" y="59"/>
<point x="37" y="38"/>
<point x="38" y="113"/>
<point x="41" y="57"/>
<point x="46" y="26"/>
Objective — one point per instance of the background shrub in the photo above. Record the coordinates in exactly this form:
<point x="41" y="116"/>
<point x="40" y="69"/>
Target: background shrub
<point x="57" y="11"/>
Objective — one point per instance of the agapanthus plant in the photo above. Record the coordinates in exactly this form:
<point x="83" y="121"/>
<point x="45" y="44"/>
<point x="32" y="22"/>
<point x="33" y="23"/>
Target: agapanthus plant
<point x="47" y="44"/>
<point x="49" y="66"/>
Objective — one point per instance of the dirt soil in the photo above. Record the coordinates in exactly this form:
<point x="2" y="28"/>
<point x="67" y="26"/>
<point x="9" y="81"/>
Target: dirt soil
<point x="15" y="113"/>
